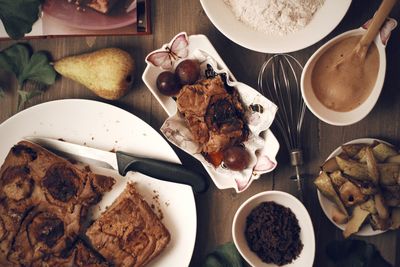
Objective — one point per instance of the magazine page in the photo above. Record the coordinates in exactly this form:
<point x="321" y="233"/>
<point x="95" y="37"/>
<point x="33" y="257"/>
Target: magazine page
<point x="95" y="17"/>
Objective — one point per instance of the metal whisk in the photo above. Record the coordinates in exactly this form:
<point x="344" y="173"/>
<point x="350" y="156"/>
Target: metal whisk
<point x="279" y="80"/>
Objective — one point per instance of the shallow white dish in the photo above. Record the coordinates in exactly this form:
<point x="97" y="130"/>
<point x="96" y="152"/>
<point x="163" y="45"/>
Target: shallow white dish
<point x="107" y="127"/>
<point x="323" y="22"/>
<point x="306" y="257"/>
<point x="328" y="206"/>
<point x="331" y="116"/>
<point x="201" y="42"/>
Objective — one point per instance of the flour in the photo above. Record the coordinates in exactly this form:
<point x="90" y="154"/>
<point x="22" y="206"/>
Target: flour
<point x="275" y="17"/>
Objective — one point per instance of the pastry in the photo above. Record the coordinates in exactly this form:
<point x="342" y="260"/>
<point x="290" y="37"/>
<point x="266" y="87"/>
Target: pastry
<point x="81" y="255"/>
<point x="44" y="200"/>
<point x="128" y="233"/>
<point x="213" y="113"/>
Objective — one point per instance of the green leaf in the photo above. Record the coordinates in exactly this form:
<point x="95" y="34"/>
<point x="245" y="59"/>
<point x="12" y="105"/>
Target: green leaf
<point x="18" y="16"/>
<point x="25" y="96"/>
<point x="14" y="58"/>
<point x="355" y="253"/>
<point x="1" y="92"/>
<point x="38" y="69"/>
<point x="225" y="255"/>
<point x="17" y="59"/>
<point x="212" y="261"/>
<point x="34" y="70"/>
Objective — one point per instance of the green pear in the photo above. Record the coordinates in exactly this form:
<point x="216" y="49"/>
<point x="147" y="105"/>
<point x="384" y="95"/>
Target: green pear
<point x="107" y="72"/>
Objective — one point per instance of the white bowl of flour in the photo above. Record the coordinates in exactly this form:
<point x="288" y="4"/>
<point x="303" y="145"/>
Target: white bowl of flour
<point x="275" y="26"/>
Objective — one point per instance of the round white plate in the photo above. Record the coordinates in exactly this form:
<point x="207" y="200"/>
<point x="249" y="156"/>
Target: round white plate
<point x="328" y="206"/>
<point x="323" y="22"/>
<point x="107" y="127"/>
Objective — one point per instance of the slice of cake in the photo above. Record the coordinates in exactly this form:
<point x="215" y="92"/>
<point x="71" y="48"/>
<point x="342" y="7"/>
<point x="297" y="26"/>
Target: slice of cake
<point x="129" y="233"/>
<point x="44" y="200"/>
<point x="86" y="257"/>
<point x="79" y="256"/>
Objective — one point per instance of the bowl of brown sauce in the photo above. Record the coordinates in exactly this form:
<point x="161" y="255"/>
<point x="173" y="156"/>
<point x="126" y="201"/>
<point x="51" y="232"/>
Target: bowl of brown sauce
<point x="343" y="94"/>
<point x="273" y="228"/>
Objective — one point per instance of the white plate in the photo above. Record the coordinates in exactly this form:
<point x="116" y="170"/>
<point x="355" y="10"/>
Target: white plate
<point x="323" y="22"/>
<point x="328" y="206"/>
<point x="307" y="254"/>
<point x="107" y="127"/>
<point x="149" y="77"/>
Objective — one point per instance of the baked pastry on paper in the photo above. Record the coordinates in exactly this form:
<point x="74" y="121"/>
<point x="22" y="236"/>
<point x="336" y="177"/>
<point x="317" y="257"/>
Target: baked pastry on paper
<point x="214" y="116"/>
<point x="129" y="233"/>
<point x="216" y="113"/>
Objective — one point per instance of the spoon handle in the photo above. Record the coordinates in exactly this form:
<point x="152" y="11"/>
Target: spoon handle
<point x="377" y="21"/>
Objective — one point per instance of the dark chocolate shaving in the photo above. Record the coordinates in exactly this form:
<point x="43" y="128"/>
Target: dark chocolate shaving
<point x="273" y="233"/>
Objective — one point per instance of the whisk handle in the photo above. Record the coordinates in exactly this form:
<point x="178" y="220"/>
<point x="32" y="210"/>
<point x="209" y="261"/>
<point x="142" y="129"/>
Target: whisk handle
<point x="296" y="157"/>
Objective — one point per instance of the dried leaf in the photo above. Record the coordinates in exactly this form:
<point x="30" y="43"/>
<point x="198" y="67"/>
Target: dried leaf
<point x="90" y="40"/>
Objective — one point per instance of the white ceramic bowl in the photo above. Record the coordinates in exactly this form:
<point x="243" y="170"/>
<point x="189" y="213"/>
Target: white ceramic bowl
<point x="306" y="257"/>
<point x="328" y="206"/>
<point x="331" y="116"/>
<point x="322" y="23"/>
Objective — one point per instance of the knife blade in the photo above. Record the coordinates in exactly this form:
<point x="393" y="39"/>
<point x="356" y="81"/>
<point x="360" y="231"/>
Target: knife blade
<point x="124" y="162"/>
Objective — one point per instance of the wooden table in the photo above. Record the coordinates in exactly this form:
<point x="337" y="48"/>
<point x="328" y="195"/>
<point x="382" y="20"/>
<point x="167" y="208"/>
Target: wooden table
<point x="216" y="208"/>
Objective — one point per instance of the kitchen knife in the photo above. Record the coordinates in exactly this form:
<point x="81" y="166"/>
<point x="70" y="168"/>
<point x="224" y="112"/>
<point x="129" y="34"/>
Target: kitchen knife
<point x="124" y="162"/>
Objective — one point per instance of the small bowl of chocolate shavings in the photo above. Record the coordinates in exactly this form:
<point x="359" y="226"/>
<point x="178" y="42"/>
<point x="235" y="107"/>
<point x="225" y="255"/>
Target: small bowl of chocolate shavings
<point x="273" y="228"/>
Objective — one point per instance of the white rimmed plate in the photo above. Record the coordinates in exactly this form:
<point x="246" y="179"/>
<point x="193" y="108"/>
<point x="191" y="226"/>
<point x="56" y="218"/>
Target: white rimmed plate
<point x="328" y="206"/>
<point x="307" y="254"/>
<point x="322" y="23"/>
<point x="201" y="42"/>
<point x="107" y="127"/>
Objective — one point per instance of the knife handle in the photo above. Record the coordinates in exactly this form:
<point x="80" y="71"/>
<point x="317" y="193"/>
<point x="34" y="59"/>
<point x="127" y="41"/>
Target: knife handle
<point x="161" y="170"/>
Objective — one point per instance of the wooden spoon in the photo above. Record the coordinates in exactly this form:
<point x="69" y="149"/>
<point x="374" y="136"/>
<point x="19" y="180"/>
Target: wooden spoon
<point x="377" y="21"/>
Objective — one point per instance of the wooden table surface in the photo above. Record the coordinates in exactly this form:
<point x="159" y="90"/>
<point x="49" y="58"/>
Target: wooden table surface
<point x="216" y="208"/>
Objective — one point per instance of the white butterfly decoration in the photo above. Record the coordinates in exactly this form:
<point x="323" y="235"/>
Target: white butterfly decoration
<point x="174" y="50"/>
<point x="385" y="30"/>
